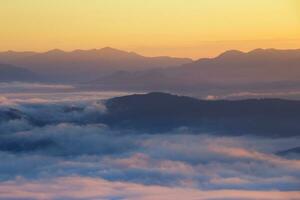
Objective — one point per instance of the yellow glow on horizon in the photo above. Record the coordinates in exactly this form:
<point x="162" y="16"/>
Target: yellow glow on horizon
<point x="191" y="28"/>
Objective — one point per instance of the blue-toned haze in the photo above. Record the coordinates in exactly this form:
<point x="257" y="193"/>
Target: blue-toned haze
<point x="55" y="146"/>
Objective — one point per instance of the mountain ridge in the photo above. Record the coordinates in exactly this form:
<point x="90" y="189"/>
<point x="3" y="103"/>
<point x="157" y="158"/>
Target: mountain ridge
<point x="86" y="65"/>
<point x="163" y="112"/>
<point x="230" y="70"/>
<point x="10" y="73"/>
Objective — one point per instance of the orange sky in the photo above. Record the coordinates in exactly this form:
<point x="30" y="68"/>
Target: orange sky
<point x="186" y="28"/>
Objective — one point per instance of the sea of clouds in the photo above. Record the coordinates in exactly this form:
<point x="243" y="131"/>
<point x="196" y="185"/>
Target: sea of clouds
<point x="53" y="148"/>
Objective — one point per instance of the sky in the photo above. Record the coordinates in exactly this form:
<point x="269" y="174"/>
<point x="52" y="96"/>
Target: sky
<point x="184" y="28"/>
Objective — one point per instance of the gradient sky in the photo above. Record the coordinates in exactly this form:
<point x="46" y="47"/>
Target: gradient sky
<point x="186" y="28"/>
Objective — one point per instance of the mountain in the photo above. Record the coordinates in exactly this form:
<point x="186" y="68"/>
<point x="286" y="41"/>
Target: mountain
<point x="160" y="112"/>
<point x="293" y="153"/>
<point x="260" y="65"/>
<point x="295" y="150"/>
<point x="11" y="56"/>
<point x="10" y="114"/>
<point x="10" y="73"/>
<point x="86" y="65"/>
<point x="257" y="69"/>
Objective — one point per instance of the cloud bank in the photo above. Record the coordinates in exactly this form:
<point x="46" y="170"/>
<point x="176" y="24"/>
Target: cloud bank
<point x="90" y="188"/>
<point x="53" y="148"/>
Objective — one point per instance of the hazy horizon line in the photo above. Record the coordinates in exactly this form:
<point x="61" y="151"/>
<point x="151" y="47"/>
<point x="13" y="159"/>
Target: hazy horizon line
<point x="141" y="54"/>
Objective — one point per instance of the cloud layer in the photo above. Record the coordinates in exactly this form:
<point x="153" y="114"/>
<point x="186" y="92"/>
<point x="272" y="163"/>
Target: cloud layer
<point x="65" y="154"/>
<point x="91" y="188"/>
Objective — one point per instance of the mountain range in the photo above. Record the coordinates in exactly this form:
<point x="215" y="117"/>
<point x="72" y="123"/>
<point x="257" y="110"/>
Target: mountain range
<point x="257" y="69"/>
<point x="10" y="73"/>
<point x="85" y="65"/>
<point x="113" y="69"/>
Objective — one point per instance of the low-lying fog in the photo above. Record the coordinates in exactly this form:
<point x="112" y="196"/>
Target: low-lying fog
<point x="64" y="159"/>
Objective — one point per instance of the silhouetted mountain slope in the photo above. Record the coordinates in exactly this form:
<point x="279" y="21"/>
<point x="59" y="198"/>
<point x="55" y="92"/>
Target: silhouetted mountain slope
<point x="86" y="65"/>
<point x="263" y="65"/>
<point x="260" y="68"/>
<point x="295" y="150"/>
<point x="161" y="112"/>
<point x="292" y="153"/>
<point x="11" y="114"/>
<point x="10" y="73"/>
<point x="12" y="56"/>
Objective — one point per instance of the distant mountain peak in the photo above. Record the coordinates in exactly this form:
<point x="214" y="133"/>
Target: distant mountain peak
<point x="107" y="48"/>
<point x="10" y="51"/>
<point x="263" y="51"/>
<point x="55" y="51"/>
<point x="230" y="54"/>
<point x="111" y="50"/>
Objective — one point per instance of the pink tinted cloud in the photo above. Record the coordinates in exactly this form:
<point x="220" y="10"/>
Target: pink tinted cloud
<point x="93" y="188"/>
<point x="238" y="152"/>
<point x="143" y="161"/>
